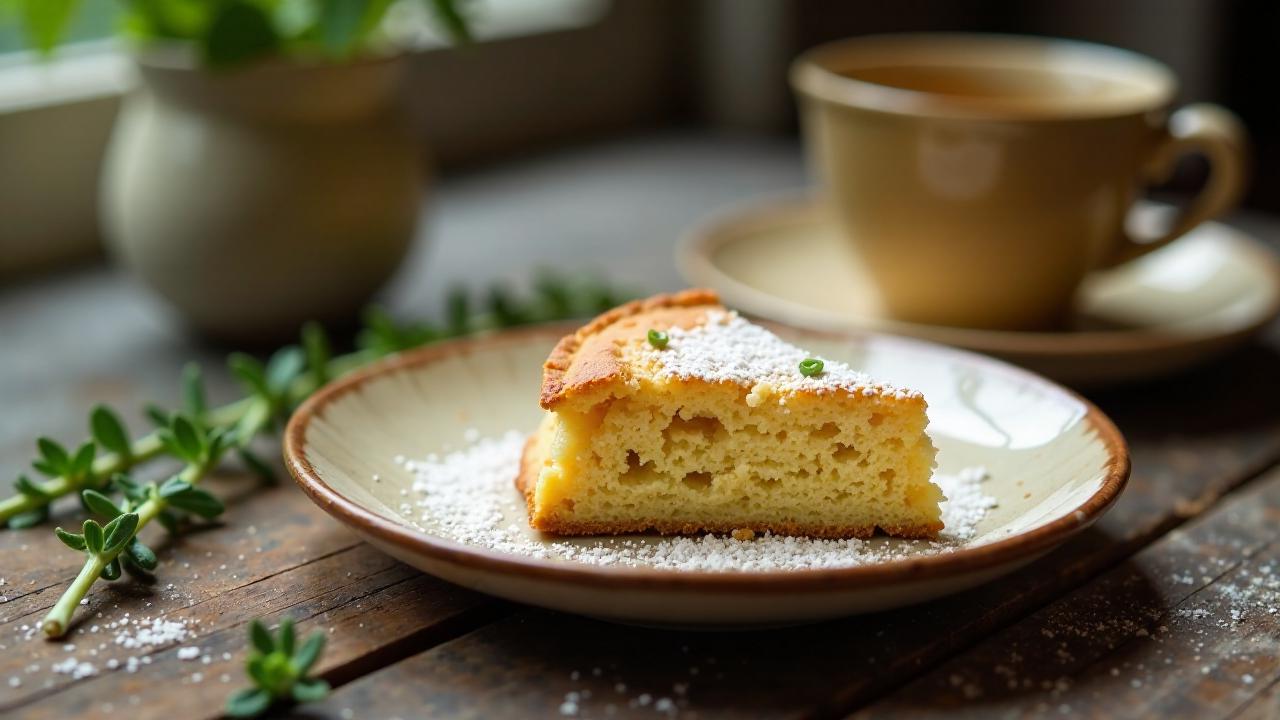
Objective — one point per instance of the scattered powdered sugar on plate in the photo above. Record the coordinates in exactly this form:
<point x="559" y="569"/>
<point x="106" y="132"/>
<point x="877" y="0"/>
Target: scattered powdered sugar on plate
<point x="469" y="496"/>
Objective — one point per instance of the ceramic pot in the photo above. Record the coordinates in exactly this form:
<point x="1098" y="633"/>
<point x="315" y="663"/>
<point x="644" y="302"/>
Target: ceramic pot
<point x="259" y="198"/>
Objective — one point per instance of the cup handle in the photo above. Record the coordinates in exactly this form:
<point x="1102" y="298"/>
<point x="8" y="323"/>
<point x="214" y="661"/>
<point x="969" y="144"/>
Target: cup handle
<point x="1209" y="130"/>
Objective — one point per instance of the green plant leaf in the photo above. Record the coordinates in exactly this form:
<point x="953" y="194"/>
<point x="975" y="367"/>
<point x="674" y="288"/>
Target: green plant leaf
<point x="118" y="532"/>
<point x="173" y="486"/>
<point x="285" y="365"/>
<point x="340" y="25"/>
<point x="108" y="431"/>
<point x="188" y="437"/>
<point x="30" y="518"/>
<point x="451" y="18"/>
<point x="141" y="555"/>
<point x="248" y="703"/>
<point x="54" y="456"/>
<point x="46" y="21"/>
<point x="261" y="637"/>
<point x="70" y="539"/>
<point x="157" y="415"/>
<point x="92" y="536"/>
<point x="239" y="32"/>
<point x="250" y="372"/>
<point x="310" y="690"/>
<point x="24" y="485"/>
<point x="284" y="637"/>
<point x="198" y="502"/>
<point x="133" y="491"/>
<point x="308" y="652"/>
<point x="130" y="566"/>
<point x="457" y="306"/>
<point x="315" y="342"/>
<point x="101" y="504"/>
<point x="111" y="571"/>
<point x="193" y="395"/>
<point x="81" y="465"/>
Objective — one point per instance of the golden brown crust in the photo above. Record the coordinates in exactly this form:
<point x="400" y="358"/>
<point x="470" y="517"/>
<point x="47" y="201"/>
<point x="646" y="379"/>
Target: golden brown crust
<point x="589" y="357"/>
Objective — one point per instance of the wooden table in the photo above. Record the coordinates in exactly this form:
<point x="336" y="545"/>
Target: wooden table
<point x="1167" y="607"/>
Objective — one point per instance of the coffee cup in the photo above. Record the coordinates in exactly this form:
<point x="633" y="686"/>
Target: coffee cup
<point x="980" y="178"/>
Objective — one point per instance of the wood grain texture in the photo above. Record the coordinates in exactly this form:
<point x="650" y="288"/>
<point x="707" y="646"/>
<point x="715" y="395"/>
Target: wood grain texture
<point x="1187" y="627"/>
<point x="282" y="556"/>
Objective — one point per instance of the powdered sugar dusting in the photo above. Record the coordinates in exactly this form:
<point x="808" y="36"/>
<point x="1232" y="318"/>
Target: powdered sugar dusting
<point x="469" y="496"/>
<point x="727" y="348"/>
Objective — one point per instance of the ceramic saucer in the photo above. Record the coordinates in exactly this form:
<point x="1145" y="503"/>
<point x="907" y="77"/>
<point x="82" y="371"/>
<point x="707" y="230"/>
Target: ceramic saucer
<point x="1196" y="299"/>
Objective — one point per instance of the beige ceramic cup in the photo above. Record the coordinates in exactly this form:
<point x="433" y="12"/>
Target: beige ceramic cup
<point x="979" y="178"/>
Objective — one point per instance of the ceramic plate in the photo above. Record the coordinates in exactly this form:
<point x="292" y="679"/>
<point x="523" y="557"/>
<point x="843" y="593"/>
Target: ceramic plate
<point x="1185" y="304"/>
<point x="1053" y="464"/>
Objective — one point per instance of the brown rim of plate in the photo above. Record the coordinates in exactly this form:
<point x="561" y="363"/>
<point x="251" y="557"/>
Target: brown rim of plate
<point x="693" y="256"/>
<point x="1023" y="546"/>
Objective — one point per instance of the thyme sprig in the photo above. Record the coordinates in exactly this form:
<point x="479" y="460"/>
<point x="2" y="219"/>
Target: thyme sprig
<point x="278" y="670"/>
<point x="199" y="437"/>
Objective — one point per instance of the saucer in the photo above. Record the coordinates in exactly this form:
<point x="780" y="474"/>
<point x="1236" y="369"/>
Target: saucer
<point x="1183" y="305"/>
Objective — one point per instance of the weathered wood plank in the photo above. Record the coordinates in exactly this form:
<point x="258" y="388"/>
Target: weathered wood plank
<point x="281" y="555"/>
<point x="524" y="665"/>
<point x="1188" y="627"/>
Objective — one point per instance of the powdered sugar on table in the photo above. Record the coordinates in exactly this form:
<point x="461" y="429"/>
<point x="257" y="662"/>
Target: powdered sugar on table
<point x="468" y="496"/>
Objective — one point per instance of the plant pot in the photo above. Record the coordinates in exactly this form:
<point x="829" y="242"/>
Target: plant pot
<point x="259" y="198"/>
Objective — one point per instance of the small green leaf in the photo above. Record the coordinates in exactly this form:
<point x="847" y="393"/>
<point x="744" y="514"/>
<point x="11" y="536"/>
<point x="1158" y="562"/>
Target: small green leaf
<point x="30" y="518"/>
<point x="141" y="555"/>
<point x="118" y="532"/>
<point x="250" y="372"/>
<point x="54" y="455"/>
<point x="46" y="21"/>
<point x="248" y="703"/>
<point x="239" y="32"/>
<point x="111" y="571"/>
<point x="131" y="566"/>
<point x="82" y="463"/>
<point x="285" y="365"/>
<point x="193" y="395"/>
<point x="92" y="536"/>
<point x="257" y="465"/>
<point x="198" y="502"/>
<point x="310" y="690"/>
<point x="24" y="485"/>
<point x="157" y="415"/>
<point x="260" y="637"/>
<point x="101" y="504"/>
<point x="109" y="431"/>
<point x="284" y="637"/>
<point x="458" y="311"/>
<point x="308" y="653"/>
<point x="188" y="437"/>
<point x="450" y="17"/>
<point x="316" y="344"/>
<point x="71" y="540"/>
<point x="173" y="486"/>
<point x="130" y="489"/>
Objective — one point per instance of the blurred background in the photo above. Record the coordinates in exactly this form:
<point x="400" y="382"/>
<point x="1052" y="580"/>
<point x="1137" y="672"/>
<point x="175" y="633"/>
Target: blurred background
<point x="611" y="125"/>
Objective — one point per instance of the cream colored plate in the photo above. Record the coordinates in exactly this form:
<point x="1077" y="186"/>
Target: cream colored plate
<point x="1055" y="464"/>
<point x="1190" y="302"/>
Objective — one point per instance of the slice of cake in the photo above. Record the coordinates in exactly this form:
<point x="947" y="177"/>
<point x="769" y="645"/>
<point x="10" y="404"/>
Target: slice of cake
<point x="674" y="415"/>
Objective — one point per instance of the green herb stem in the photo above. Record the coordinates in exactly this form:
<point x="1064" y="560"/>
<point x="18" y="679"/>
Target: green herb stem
<point x="145" y="448"/>
<point x="56" y="623"/>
